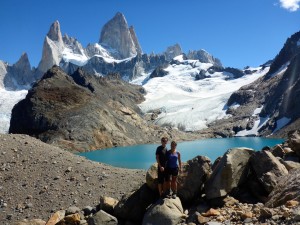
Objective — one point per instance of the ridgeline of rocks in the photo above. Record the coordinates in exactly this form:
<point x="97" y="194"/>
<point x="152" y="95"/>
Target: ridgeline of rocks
<point x="241" y="187"/>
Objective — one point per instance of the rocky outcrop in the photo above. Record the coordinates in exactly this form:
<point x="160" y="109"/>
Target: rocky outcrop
<point x="204" y="57"/>
<point x="116" y="35"/>
<point x="159" y="71"/>
<point x="173" y="51"/>
<point x="90" y="114"/>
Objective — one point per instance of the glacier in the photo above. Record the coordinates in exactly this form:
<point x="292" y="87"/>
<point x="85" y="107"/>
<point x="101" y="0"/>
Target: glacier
<point x="189" y="104"/>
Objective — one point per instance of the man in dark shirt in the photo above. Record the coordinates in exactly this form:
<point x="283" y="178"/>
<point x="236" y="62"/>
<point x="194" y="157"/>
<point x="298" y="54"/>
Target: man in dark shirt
<point x="161" y="159"/>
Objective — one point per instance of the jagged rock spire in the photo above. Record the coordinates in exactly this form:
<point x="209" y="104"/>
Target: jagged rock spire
<point x="54" y="32"/>
<point x="52" y="49"/>
<point x="23" y="63"/>
<point x="135" y="40"/>
<point x="116" y="34"/>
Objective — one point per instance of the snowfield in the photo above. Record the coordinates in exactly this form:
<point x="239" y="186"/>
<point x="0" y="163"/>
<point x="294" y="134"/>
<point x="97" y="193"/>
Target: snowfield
<point x="189" y="104"/>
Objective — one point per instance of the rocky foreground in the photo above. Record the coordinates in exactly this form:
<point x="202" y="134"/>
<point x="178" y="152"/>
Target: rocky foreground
<point x="37" y="179"/>
<point x="41" y="184"/>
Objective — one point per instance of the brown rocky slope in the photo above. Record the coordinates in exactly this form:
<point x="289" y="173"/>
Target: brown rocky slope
<point x="37" y="179"/>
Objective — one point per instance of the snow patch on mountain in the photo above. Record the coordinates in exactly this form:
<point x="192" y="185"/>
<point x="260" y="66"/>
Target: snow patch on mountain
<point x="7" y="101"/>
<point x="190" y="104"/>
<point x="78" y="59"/>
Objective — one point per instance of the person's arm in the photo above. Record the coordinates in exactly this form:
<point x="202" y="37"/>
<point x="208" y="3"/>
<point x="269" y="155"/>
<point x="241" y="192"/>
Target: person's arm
<point x="160" y="167"/>
<point x="179" y="161"/>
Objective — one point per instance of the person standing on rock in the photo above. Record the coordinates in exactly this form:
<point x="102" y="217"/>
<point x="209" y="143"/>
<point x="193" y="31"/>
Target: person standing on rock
<point x="161" y="159"/>
<point x="173" y="168"/>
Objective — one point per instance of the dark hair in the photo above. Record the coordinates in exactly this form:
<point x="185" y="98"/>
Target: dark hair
<point x="174" y="142"/>
<point x="164" y="138"/>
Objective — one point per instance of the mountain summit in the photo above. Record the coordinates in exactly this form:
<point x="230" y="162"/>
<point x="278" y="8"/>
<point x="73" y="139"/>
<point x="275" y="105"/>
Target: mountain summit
<point x="52" y="49"/>
<point x="54" y="32"/>
<point x="117" y="35"/>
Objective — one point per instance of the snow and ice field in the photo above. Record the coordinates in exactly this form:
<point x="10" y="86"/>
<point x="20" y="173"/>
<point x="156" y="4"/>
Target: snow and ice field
<point x="7" y="101"/>
<point x="189" y="104"/>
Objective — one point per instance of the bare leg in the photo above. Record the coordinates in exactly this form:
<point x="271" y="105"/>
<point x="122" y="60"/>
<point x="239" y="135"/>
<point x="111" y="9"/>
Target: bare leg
<point x="174" y="184"/>
<point x="160" y="189"/>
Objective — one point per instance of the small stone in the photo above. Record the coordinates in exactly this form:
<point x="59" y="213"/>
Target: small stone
<point x="211" y="212"/>
<point x="202" y="219"/>
<point x="72" y="210"/>
<point x="291" y="203"/>
<point x="246" y="215"/>
<point x="28" y="205"/>
<point x="29" y="197"/>
<point x="9" y="216"/>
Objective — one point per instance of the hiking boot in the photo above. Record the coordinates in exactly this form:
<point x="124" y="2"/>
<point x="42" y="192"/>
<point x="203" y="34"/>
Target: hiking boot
<point x="168" y="194"/>
<point x="174" y="196"/>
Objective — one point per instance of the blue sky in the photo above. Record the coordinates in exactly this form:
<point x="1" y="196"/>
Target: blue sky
<point x="238" y="32"/>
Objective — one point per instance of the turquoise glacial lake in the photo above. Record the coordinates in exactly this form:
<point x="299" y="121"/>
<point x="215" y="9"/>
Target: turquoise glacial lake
<point x="143" y="156"/>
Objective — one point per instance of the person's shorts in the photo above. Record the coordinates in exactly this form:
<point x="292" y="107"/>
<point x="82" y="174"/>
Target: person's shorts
<point x="171" y="172"/>
<point x="161" y="176"/>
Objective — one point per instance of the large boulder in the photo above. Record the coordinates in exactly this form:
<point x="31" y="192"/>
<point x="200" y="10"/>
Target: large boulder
<point x="190" y="180"/>
<point x="267" y="169"/>
<point x="165" y="211"/>
<point x="294" y="141"/>
<point x="151" y="177"/>
<point x="287" y="188"/>
<point x="230" y="172"/>
<point x="133" y="206"/>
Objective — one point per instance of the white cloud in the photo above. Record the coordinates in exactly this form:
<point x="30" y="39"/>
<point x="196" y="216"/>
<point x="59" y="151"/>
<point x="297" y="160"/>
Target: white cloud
<point x="291" y="5"/>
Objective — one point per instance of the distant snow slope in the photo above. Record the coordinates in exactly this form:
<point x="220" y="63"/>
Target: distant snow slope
<point x="7" y="101"/>
<point x="189" y="104"/>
